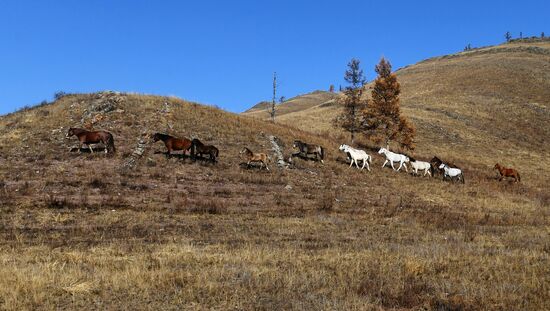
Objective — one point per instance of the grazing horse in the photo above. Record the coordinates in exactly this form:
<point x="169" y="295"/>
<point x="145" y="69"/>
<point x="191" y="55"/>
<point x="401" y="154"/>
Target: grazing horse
<point x="452" y="172"/>
<point x="420" y="165"/>
<point x="255" y="157"/>
<point x="200" y="149"/>
<point x="507" y="172"/>
<point x="173" y="143"/>
<point x="394" y="157"/>
<point x="89" y="138"/>
<point x="357" y="155"/>
<point x="306" y="149"/>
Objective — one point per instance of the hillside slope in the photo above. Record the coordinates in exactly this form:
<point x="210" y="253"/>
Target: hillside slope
<point x="481" y="106"/>
<point x="78" y="231"/>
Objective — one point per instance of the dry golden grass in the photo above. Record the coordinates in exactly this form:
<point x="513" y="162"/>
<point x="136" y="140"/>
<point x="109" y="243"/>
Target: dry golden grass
<point x="476" y="107"/>
<point x="79" y="233"/>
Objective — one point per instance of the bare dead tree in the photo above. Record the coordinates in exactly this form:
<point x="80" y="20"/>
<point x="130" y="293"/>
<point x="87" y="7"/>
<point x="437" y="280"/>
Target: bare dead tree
<point x="272" y="111"/>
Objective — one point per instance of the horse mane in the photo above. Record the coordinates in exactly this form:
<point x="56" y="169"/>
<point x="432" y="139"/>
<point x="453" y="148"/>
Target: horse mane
<point x="78" y="130"/>
<point x="196" y="141"/>
<point x="163" y="136"/>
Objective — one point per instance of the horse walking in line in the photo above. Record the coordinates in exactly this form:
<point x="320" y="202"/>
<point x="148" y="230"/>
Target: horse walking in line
<point x="357" y="155"/>
<point x="452" y="172"/>
<point x="306" y="149"/>
<point x="255" y="157"/>
<point x="394" y="157"/>
<point x="435" y="163"/>
<point x="88" y="138"/>
<point x="200" y="149"/>
<point x="507" y="172"/>
<point x="173" y="143"/>
<point x="420" y="166"/>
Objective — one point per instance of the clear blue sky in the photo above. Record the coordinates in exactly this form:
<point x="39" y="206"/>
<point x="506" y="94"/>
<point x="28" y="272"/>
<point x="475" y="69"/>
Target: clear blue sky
<point x="224" y="52"/>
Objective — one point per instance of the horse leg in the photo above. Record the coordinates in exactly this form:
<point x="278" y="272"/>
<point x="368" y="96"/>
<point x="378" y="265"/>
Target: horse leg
<point x="351" y="162"/>
<point x="266" y="167"/>
<point x="357" y="164"/>
<point x="394" y="167"/>
<point x="385" y="163"/>
<point x="90" y="147"/>
<point x="405" y="165"/>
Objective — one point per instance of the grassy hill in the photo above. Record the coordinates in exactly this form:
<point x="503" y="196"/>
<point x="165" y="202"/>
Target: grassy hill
<point x="479" y="106"/>
<point x="86" y="231"/>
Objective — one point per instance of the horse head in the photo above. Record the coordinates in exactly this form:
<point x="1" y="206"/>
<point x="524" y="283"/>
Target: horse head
<point x="156" y="137"/>
<point x="442" y="165"/>
<point x="343" y="147"/>
<point x="497" y="167"/>
<point x="245" y="150"/>
<point x="382" y="150"/>
<point x="70" y="132"/>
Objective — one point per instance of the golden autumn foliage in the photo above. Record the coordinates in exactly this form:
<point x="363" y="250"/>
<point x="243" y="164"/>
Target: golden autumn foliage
<point x="382" y="119"/>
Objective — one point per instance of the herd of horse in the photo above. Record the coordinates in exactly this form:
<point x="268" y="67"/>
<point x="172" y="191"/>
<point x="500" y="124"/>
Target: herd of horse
<point x="196" y="148"/>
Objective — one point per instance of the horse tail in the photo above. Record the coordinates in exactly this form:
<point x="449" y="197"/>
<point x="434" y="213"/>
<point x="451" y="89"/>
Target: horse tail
<point x="322" y="152"/>
<point x="111" y="142"/>
<point x="369" y="158"/>
<point x="463" y="180"/>
<point x="519" y="178"/>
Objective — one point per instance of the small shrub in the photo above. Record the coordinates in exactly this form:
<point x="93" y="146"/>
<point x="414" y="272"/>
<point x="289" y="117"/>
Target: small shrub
<point x="207" y="206"/>
<point x="97" y="183"/>
<point x="57" y="203"/>
<point x="58" y="95"/>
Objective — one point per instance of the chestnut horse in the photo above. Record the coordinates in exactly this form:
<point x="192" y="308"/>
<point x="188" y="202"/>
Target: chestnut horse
<point x="255" y="157"/>
<point x="173" y="143"/>
<point x="198" y="148"/>
<point x="87" y="137"/>
<point x="507" y="172"/>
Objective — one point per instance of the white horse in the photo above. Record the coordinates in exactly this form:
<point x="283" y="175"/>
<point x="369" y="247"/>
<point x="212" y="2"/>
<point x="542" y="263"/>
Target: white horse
<point x="420" y="165"/>
<point x="452" y="172"/>
<point x="394" y="157"/>
<point x="357" y="155"/>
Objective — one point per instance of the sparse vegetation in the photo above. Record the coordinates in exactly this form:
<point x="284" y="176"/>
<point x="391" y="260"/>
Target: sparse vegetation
<point x="188" y="235"/>
<point x="508" y="36"/>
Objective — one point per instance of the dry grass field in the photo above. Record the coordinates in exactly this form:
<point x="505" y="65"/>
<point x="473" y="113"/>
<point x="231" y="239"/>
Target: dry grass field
<point x="79" y="231"/>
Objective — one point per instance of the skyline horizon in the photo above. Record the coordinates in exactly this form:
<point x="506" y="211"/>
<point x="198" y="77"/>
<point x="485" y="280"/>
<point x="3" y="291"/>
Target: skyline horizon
<point x="224" y="54"/>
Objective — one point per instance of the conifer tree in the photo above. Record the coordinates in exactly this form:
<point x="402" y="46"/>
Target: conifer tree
<point x="382" y="119"/>
<point x="352" y="100"/>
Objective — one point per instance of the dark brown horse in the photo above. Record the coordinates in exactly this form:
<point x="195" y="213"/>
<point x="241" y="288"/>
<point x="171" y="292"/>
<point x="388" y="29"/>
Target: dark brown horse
<point x="306" y="149"/>
<point x="200" y="149"/>
<point x="507" y="172"/>
<point x="173" y="143"/>
<point x="89" y="138"/>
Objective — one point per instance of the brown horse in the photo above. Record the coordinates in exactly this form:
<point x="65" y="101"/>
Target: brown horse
<point x="200" y="149"/>
<point x="88" y="138"/>
<point x="255" y="157"/>
<point x="173" y="143"/>
<point x="507" y="172"/>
